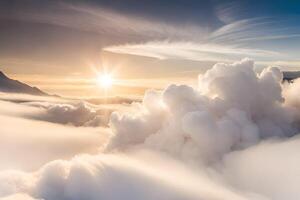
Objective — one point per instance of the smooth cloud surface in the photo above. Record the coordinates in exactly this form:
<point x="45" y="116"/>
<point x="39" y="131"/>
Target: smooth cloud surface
<point x="233" y="137"/>
<point x="29" y="138"/>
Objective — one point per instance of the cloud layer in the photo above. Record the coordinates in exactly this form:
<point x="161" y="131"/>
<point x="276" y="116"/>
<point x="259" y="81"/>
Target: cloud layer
<point x="33" y="131"/>
<point x="233" y="137"/>
<point x="56" y="110"/>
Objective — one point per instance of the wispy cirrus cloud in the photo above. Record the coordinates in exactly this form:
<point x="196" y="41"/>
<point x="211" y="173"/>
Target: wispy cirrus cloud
<point x="106" y="22"/>
<point x="190" y="51"/>
<point x="248" y="30"/>
<point x="237" y="39"/>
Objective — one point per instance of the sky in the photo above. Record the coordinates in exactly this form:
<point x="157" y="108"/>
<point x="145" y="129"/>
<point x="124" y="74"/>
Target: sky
<point x="62" y="46"/>
<point x="219" y="121"/>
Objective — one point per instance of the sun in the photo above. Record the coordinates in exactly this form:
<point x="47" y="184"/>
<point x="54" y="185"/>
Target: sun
<point x="105" y="80"/>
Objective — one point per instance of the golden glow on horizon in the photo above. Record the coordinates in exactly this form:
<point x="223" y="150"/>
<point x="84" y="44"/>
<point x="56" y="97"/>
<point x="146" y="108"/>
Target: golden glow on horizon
<point x="105" y="80"/>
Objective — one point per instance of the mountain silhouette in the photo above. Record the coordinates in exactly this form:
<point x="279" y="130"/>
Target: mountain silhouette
<point x="15" y="86"/>
<point x="291" y="75"/>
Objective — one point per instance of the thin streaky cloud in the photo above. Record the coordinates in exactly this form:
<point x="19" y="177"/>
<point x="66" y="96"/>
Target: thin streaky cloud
<point x="256" y="29"/>
<point x="108" y="22"/>
<point x="229" y="42"/>
<point x="188" y="50"/>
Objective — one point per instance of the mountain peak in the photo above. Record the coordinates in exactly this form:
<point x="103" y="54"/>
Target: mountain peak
<point x="15" y="86"/>
<point x="2" y="75"/>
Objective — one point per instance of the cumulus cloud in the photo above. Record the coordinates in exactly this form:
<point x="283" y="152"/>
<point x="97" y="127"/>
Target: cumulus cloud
<point x="233" y="108"/>
<point x="232" y="137"/>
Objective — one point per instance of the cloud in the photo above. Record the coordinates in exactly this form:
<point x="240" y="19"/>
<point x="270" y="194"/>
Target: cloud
<point x="75" y="113"/>
<point x="20" y="98"/>
<point x="102" y="20"/>
<point x="18" y="197"/>
<point x="56" y="110"/>
<point x="232" y="137"/>
<point x="241" y="37"/>
<point x="116" y="177"/>
<point x="233" y="109"/>
<point x="256" y="29"/>
<point x="26" y="134"/>
<point x="190" y="51"/>
<point x="27" y="144"/>
<point x="270" y="168"/>
<point x="95" y="27"/>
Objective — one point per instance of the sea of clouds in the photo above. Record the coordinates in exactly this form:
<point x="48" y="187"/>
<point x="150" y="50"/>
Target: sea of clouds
<point x="233" y="137"/>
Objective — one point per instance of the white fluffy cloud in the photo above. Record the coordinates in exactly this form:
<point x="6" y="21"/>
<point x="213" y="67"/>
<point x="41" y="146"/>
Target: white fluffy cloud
<point x="233" y="108"/>
<point x="233" y="137"/>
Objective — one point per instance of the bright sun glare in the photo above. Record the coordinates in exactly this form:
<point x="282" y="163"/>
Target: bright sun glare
<point x="105" y="80"/>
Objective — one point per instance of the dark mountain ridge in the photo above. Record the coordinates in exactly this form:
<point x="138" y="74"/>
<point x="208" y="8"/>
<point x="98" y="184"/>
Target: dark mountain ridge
<point x="290" y="75"/>
<point x="15" y="86"/>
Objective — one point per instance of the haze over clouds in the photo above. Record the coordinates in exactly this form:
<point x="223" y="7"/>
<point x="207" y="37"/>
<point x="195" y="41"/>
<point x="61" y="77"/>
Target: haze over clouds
<point x="28" y="139"/>
<point x="57" y="110"/>
<point x="232" y="137"/>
